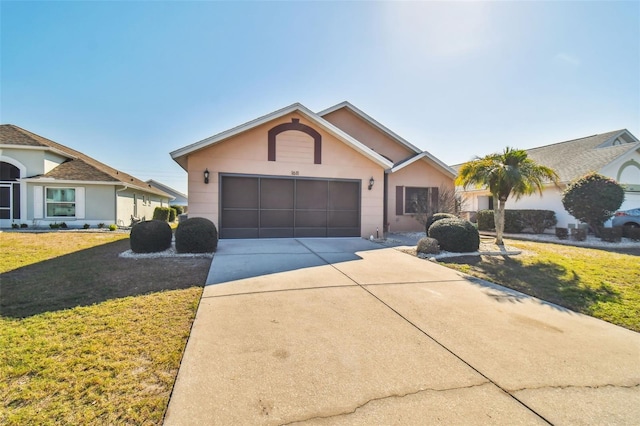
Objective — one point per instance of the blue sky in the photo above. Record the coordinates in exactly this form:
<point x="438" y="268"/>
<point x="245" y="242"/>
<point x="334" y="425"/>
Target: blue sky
<point x="129" y="82"/>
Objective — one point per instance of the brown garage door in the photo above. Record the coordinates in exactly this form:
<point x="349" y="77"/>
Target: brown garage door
<point x="272" y="207"/>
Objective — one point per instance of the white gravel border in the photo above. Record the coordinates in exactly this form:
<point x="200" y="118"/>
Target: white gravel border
<point x="170" y="252"/>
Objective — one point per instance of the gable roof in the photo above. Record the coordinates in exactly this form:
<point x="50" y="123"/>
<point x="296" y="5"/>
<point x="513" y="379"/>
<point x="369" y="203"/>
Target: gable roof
<point x="418" y="153"/>
<point x="574" y="158"/>
<point x="174" y="193"/>
<point x="180" y="155"/>
<point x="77" y="167"/>
<point x="371" y="121"/>
<point x="429" y="159"/>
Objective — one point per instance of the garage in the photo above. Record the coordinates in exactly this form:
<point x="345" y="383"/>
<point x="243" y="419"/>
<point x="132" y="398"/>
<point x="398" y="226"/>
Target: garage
<point x="285" y="207"/>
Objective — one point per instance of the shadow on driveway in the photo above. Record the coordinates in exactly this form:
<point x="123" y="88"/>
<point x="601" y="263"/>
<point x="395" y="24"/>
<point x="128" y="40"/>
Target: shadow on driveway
<point x="240" y="259"/>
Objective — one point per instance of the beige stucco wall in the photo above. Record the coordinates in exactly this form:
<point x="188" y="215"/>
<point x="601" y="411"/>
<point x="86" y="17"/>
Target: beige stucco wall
<point x="375" y="139"/>
<point x="247" y="154"/>
<point x="418" y="174"/>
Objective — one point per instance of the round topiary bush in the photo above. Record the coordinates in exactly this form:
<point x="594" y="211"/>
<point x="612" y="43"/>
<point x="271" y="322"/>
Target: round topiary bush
<point x="150" y="236"/>
<point x="455" y="235"/>
<point x="196" y="235"/>
<point x="428" y="245"/>
<point x="436" y="217"/>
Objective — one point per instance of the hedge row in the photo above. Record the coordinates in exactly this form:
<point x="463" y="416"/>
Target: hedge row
<point x="517" y="220"/>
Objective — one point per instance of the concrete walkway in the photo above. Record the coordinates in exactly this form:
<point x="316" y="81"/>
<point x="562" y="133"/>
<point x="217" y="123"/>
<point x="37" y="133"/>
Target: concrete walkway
<point x="344" y="331"/>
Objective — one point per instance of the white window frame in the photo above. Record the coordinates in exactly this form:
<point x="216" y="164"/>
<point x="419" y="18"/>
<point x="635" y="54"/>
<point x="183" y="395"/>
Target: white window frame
<point x="47" y="202"/>
<point x="78" y="198"/>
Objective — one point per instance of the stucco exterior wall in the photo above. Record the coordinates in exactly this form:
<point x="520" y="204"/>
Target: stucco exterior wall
<point x="419" y="174"/>
<point x="99" y="206"/>
<point x="131" y="202"/>
<point x="247" y="153"/>
<point x="625" y="170"/>
<point x="355" y="126"/>
<point x="32" y="160"/>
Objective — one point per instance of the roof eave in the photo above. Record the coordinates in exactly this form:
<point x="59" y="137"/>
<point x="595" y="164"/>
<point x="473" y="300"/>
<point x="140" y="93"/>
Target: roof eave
<point x="371" y="121"/>
<point x="38" y="148"/>
<point x="180" y="155"/>
<point x="427" y="156"/>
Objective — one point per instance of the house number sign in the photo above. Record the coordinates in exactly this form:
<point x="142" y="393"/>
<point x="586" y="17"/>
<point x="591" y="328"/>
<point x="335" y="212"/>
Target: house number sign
<point x="295" y="173"/>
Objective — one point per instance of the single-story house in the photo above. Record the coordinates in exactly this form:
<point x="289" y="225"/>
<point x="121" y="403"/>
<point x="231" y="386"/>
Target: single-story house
<point x="44" y="182"/>
<point x="614" y="154"/>
<point x="297" y="173"/>
<point x="179" y="199"/>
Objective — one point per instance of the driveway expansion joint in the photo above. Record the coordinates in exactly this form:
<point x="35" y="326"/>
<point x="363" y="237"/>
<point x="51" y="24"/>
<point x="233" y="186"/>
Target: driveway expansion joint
<point x="608" y="385"/>
<point x="382" y="398"/>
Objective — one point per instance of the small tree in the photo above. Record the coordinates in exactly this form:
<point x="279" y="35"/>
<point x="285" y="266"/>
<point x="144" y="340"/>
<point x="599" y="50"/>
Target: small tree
<point x="424" y="206"/>
<point x="510" y="173"/>
<point x="593" y="199"/>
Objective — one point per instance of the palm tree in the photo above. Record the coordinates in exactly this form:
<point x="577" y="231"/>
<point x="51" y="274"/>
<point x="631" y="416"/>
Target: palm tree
<point x="509" y="173"/>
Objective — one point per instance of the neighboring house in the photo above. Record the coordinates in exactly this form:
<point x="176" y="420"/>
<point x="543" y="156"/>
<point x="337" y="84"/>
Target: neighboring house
<point x="296" y="173"/>
<point x="44" y="182"/>
<point x="614" y="154"/>
<point x="179" y="199"/>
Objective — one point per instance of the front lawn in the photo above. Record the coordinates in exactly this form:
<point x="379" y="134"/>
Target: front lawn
<point x="594" y="282"/>
<point x="88" y="337"/>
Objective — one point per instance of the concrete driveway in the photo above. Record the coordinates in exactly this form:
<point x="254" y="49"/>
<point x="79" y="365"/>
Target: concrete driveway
<point x="344" y="331"/>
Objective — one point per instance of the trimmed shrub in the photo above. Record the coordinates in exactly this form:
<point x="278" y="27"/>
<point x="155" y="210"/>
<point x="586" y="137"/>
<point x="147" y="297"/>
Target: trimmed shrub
<point x="537" y="220"/>
<point x="196" y="235"/>
<point x="612" y="235"/>
<point x="150" y="236"/>
<point x="485" y="220"/>
<point x="161" y="213"/>
<point x="179" y="209"/>
<point x="593" y="199"/>
<point x="562" y="233"/>
<point x="436" y="217"/>
<point x="455" y="235"/>
<point x="172" y="214"/>
<point x="428" y="245"/>
<point x="512" y="221"/>
<point x="579" y="234"/>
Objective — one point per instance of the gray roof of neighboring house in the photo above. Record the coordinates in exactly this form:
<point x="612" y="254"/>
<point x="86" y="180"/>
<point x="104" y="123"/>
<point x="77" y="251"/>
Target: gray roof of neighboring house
<point x="166" y="189"/>
<point x="575" y="158"/>
<point x="78" y="167"/>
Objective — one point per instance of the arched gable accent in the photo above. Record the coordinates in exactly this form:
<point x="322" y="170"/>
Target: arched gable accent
<point x="295" y="125"/>
<point x="630" y="163"/>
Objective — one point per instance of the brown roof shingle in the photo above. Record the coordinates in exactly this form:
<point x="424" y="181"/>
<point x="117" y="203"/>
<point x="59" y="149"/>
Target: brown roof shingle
<point x="78" y="167"/>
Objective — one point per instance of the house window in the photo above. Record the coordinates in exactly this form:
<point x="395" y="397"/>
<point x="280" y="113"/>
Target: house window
<point x="416" y="200"/>
<point x="411" y="200"/>
<point x="61" y="202"/>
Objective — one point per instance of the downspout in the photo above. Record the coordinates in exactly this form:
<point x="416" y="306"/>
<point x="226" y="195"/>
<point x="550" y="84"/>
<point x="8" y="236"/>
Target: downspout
<point x="385" y="202"/>
<point x="124" y="188"/>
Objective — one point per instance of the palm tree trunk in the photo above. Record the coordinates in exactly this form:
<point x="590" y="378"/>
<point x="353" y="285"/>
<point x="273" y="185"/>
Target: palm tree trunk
<point x="498" y="218"/>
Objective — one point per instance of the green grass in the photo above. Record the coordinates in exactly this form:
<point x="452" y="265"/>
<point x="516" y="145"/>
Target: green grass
<point x="88" y="337"/>
<point x="594" y="282"/>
